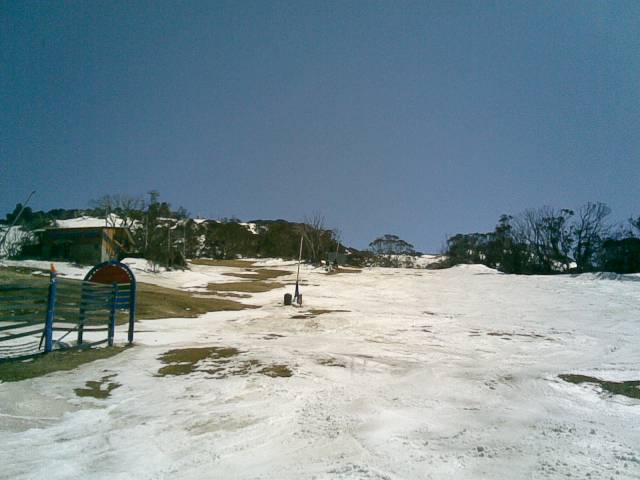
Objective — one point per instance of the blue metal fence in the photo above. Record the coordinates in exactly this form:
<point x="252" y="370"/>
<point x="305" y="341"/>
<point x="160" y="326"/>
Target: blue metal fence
<point x="37" y="319"/>
<point x="22" y="316"/>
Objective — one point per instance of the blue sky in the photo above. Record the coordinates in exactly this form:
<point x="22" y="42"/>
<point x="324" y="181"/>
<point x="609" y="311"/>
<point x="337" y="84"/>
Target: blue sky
<point x="416" y="118"/>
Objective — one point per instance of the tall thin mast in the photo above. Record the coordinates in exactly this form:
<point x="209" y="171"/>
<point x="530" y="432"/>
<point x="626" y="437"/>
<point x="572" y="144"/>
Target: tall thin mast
<point x="298" y="274"/>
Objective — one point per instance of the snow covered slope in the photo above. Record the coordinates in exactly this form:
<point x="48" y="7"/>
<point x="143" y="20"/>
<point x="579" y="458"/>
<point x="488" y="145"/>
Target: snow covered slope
<point x="445" y="374"/>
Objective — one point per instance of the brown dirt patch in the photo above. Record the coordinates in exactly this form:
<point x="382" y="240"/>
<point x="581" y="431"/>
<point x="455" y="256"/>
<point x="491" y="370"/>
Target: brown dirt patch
<point x="246" y="287"/>
<point x="223" y="263"/>
<point x="95" y="388"/>
<point x="217" y="363"/>
<point x="160" y="302"/>
<point x="276" y="370"/>
<point x="259" y="274"/>
<point x="16" y="370"/>
<point x="183" y="361"/>
<point x="331" y="362"/>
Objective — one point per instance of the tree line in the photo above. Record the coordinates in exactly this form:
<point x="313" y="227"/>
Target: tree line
<point x="545" y="240"/>
<point x="167" y="237"/>
<point x="548" y="240"/>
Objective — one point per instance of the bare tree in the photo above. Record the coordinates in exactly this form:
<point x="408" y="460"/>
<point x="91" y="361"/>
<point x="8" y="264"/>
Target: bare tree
<point x="129" y="209"/>
<point x="547" y="235"/>
<point x="588" y="230"/>
<point x="316" y="237"/>
<point x="102" y="206"/>
<point x="119" y="210"/>
<point x="336" y="236"/>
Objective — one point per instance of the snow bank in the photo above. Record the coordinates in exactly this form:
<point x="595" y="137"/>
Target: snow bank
<point x="427" y="259"/>
<point x="475" y="268"/>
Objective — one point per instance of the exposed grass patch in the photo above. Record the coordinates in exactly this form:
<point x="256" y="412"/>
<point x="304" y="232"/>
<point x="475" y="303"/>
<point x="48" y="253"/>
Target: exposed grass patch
<point x="223" y="263"/>
<point x="152" y="301"/>
<point x="22" y="275"/>
<point x="628" y="389"/>
<point x="246" y="287"/>
<point x="246" y="275"/>
<point x="259" y="274"/>
<point x="183" y="361"/>
<point x="35" y="305"/>
<point x="331" y="362"/>
<point x="160" y="302"/>
<point x="94" y="388"/>
<point x="232" y="295"/>
<point x="257" y="281"/>
<point x="217" y="362"/>
<point x="16" y="370"/>
<point x="276" y="370"/>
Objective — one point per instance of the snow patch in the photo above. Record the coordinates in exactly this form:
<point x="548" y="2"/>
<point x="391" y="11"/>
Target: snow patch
<point x="90" y="222"/>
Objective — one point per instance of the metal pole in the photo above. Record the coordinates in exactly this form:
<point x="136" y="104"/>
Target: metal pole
<point x="297" y="293"/>
<point x="132" y="310"/>
<point x="15" y="220"/>
<point x="83" y="315"/>
<point x="112" y="314"/>
<point x="51" y="306"/>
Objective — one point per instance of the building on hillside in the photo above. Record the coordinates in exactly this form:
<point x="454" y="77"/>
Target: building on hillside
<point x="84" y="245"/>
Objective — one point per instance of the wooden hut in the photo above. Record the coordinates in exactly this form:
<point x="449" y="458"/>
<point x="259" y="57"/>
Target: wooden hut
<point x="85" y="245"/>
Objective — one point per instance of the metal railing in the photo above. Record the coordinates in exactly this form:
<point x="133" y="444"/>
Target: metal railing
<point x="36" y="319"/>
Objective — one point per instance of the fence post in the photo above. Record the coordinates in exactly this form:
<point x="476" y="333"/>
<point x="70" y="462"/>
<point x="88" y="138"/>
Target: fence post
<point x="112" y="314"/>
<point x="83" y="315"/>
<point x="132" y="310"/>
<point x="51" y="312"/>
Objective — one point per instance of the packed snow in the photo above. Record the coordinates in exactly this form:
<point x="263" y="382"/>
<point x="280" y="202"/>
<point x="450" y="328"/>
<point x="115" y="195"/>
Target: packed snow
<point x="427" y="259"/>
<point x="90" y="222"/>
<point x="414" y="374"/>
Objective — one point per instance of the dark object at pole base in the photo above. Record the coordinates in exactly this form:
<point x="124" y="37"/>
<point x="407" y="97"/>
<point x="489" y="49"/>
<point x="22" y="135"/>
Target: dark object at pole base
<point x="287" y="299"/>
